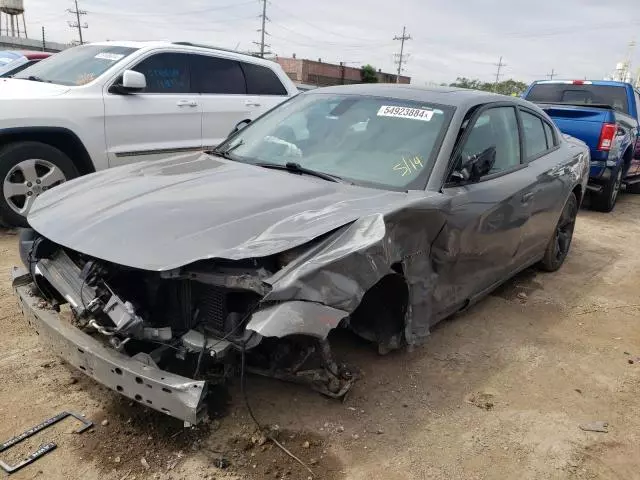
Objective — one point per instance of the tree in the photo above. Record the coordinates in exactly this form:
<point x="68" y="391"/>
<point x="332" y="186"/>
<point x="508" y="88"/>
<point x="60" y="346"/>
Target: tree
<point x="368" y="74"/>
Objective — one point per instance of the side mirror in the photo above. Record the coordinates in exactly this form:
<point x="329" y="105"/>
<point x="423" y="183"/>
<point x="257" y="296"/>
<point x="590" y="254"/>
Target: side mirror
<point x="239" y="126"/>
<point x="475" y="167"/>
<point x="131" y="82"/>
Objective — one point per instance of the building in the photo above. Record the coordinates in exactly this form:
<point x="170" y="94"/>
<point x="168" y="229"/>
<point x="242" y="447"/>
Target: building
<point x="15" y="43"/>
<point x="320" y="74"/>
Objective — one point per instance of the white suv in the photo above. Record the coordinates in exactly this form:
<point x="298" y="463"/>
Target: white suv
<point x="105" y="104"/>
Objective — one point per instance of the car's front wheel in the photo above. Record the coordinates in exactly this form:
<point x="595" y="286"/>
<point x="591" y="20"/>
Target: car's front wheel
<point x="28" y="169"/>
<point x="560" y="242"/>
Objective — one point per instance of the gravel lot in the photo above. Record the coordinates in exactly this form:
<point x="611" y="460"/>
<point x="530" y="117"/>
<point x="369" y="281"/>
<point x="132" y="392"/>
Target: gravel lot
<point x="498" y="392"/>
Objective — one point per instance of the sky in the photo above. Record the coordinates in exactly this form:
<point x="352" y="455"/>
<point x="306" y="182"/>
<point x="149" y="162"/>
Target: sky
<point x="449" y="38"/>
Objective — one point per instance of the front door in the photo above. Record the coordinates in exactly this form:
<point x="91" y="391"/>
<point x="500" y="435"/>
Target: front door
<point x="486" y="219"/>
<point x="164" y="119"/>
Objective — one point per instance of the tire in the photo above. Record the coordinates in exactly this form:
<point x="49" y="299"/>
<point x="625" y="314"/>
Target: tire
<point x="560" y="242"/>
<point x="606" y="199"/>
<point x="26" y="170"/>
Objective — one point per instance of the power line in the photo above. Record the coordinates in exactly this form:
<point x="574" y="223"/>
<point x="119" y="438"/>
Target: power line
<point x="400" y="58"/>
<point x="315" y="39"/>
<point x="262" y="30"/>
<point x="499" y="65"/>
<point x="323" y="30"/>
<point x="77" y="12"/>
<point x="164" y="14"/>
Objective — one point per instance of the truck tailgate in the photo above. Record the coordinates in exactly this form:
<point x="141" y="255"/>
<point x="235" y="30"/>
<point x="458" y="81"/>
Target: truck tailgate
<point x="581" y="122"/>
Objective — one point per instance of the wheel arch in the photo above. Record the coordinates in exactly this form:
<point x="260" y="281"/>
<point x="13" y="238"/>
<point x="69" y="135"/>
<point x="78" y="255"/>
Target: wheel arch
<point x="381" y="316"/>
<point x="626" y="159"/>
<point x="61" y="138"/>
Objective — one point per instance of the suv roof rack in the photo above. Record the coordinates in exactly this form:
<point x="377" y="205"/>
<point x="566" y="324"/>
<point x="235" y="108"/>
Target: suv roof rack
<point x="211" y="47"/>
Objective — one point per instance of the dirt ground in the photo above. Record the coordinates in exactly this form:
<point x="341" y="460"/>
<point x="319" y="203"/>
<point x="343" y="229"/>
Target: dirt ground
<point x="496" y="393"/>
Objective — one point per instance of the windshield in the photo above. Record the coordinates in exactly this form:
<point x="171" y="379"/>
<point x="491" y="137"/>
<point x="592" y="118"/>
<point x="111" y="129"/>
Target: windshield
<point x="584" y="94"/>
<point x="381" y="142"/>
<point x="8" y="59"/>
<point x="76" y="66"/>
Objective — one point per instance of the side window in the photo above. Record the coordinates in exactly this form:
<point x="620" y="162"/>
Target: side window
<point x="635" y="93"/>
<point x="262" y="80"/>
<point x="535" y="140"/>
<point x="166" y="73"/>
<point x="497" y="128"/>
<point x="551" y="138"/>
<point x="216" y="75"/>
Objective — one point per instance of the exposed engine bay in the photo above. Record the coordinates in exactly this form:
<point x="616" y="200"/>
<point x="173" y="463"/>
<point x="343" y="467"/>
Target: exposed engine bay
<point x="201" y="322"/>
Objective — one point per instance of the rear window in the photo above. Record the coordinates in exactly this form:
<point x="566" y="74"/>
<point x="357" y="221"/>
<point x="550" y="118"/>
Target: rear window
<point x="262" y="80"/>
<point x="616" y="97"/>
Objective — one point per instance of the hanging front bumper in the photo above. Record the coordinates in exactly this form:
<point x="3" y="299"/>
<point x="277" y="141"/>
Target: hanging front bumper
<point x="174" y="395"/>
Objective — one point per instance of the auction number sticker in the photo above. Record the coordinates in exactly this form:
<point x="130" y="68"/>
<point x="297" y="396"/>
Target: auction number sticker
<point x="114" y="57"/>
<point x="406" y="112"/>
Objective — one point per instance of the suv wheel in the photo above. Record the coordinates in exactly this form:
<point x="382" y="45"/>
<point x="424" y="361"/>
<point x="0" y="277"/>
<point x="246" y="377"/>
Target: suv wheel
<point x="28" y="169"/>
<point x="606" y="199"/>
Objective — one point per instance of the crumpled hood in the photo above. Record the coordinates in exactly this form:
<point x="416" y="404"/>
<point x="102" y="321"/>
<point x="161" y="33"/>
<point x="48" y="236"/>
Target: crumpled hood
<point x="13" y="88"/>
<point x="165" y="214"/>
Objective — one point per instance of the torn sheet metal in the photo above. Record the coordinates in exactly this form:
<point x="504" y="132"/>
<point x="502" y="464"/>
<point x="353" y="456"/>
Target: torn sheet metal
<point x="296" y="318"/>
<point x="353" y="259"/>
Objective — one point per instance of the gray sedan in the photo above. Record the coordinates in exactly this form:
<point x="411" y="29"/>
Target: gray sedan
<point x="383" y="209"/>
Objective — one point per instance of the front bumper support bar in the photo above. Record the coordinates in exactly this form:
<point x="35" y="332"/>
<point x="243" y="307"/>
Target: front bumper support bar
<point x="174" y="395"/>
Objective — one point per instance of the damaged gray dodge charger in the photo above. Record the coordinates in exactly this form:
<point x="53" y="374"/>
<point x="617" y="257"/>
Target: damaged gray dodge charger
<point x="383" y="209"/>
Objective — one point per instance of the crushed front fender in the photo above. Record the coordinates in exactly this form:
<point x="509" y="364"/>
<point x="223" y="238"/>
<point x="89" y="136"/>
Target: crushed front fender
<point x="171" y="394"/>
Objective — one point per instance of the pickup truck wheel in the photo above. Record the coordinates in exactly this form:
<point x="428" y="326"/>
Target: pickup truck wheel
<point x="560" y="242"/>
<point x="606" y="199"/>
<point x="26" y="170"/>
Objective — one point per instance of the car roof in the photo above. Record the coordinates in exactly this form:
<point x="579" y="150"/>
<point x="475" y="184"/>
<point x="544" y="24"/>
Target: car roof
<point x="452" y="96"/>
<point x="180" y="45"/>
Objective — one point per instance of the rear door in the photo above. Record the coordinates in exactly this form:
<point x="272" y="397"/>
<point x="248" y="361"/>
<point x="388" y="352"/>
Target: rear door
<point x="223" y="93"/>
<point x="547" y="164"/>
<point x="164" y="119"/>
<point x="264" y="88"/>
<point x="490" y="215"/>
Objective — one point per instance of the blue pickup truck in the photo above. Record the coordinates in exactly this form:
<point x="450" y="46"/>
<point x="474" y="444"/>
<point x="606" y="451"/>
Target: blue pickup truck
<point x="604" y="115"/>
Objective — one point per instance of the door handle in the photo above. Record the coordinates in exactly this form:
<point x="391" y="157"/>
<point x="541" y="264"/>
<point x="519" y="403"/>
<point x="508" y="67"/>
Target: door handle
<point x="252" y="103"/>
<point x="187" y="103"/>
<point x="526" y="197"/>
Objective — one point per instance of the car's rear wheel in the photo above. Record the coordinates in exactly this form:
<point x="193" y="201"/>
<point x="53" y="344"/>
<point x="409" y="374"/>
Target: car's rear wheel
<point x="28" y="169"/>
<point x="560" y="242"/>
<point x="606" y="199"/>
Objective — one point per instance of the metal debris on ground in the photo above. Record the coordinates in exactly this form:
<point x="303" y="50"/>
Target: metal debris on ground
<point x="45" y="447"/>
<point x="598" y="426"/>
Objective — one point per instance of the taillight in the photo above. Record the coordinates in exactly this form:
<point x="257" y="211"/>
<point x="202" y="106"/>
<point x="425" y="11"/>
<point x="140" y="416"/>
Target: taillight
<point x="578" y="82"/>
<point x="606" y="136"/>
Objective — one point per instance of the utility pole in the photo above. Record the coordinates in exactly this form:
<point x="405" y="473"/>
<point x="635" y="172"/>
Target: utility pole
<point x="44" y="45"/>
<point x="552" y="74"/>
<point x="499" y="65"/>
<point x="263" y="31"/>
<point x="77" y="12"/>
<point x="400" y="57"/>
